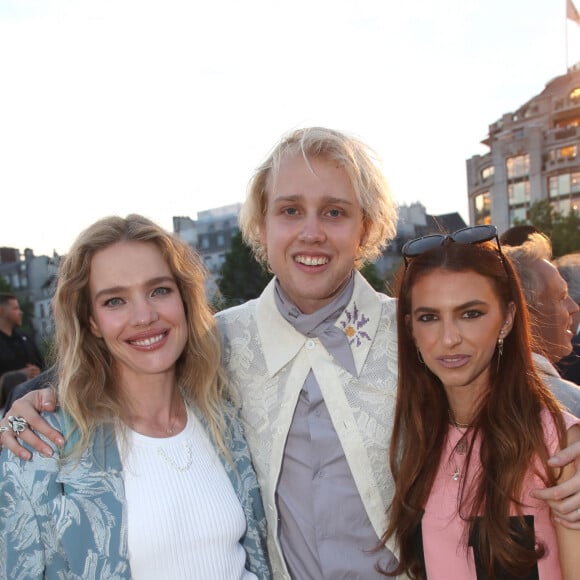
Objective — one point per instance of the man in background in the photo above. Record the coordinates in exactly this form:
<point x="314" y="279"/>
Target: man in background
<point x="20" y="358"/>
<point x="569" y="268"/>
<point x="551" y="310"/>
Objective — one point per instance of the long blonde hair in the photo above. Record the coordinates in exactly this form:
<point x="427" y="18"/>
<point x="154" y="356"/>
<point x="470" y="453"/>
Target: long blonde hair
<point x="86" y="381"/>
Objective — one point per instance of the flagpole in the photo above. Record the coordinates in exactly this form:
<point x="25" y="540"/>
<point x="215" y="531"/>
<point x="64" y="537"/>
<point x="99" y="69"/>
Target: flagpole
<point x="566" y="33"/>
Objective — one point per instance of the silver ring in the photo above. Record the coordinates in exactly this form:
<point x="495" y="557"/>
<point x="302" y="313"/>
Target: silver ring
<point x="17" y="424"/>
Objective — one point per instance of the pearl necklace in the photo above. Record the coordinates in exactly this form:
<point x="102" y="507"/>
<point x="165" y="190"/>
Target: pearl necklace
<point x="172" y="463"/>
<point x="188" y="447"/>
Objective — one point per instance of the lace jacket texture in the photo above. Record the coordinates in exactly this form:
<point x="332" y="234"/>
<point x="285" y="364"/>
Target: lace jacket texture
<point x="267" y="362"/>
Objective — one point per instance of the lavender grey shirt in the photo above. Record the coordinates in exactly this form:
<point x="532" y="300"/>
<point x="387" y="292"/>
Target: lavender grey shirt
<point x="324" y="530"/>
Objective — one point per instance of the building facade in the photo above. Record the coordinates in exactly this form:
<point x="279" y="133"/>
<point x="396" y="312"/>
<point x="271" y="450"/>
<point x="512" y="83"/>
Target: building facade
<point x="533" y="155"/>
<point x="32" y="279"/>
<point x="211" y="236"/>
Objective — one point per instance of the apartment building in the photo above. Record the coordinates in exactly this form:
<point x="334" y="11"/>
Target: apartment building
<point x="533" y="155"/>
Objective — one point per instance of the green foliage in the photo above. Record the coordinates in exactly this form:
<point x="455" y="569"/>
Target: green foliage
<point x="27" y="308"/>
<point x="563" y="230"/>
<point x="4" y="286"/>
<point x="392" y="277"/>
<point x="369" y="271"/>
<point x="241" y="277"/>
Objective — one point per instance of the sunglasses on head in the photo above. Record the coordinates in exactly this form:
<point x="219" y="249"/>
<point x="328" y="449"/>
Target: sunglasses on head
<point x="469" y="235"/>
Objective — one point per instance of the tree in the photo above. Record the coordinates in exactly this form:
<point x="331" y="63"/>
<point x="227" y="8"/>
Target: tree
<point x="369" y="271"/>
<point x="241" y="277"/>
<point x="27" y="308"/>
<point x="563" y="230"/>
<point x="392" y="277"/>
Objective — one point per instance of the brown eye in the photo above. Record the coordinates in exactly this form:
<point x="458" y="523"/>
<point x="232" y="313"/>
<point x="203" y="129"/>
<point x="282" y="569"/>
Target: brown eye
<point x="472" y="314"/>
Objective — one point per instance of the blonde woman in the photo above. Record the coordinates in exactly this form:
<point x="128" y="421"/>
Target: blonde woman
<point x="154" y="479"/>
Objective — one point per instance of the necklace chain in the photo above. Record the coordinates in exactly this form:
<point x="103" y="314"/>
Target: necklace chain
<point x="461" y="447"/>
<point x="456" y="423"/>
<point x="172" y="463"/>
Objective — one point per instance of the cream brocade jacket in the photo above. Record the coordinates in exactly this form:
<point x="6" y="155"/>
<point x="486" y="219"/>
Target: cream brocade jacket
<point x="267" y="362"/>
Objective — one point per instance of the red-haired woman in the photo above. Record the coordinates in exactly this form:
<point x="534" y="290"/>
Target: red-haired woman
<point x="474" y="424"/>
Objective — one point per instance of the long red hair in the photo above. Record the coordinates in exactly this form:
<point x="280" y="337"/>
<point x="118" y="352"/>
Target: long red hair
<point x="507" y="421"/>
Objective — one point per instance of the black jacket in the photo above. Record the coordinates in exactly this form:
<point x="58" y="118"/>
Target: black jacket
<point x="17" y="351"/>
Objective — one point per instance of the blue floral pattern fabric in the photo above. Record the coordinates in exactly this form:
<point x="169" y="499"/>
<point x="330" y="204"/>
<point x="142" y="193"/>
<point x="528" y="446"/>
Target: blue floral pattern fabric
<point x="66" y="519"/>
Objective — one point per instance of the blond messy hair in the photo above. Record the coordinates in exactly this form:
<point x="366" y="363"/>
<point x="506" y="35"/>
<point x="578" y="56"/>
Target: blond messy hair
<point x="536" y="248"/>
<point x="359" y="162"/>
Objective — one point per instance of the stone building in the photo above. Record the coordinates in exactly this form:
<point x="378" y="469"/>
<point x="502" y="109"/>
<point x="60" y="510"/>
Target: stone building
<point x="211" y="236"/>
<point x="32" y="280"/>
<point x="533" y="155"/>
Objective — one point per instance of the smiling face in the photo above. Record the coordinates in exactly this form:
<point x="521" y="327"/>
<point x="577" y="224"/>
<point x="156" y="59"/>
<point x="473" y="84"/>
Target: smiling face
<point x="137" y="310"/>
<point x="312" y="230"/>
<point x="456" y="319"/>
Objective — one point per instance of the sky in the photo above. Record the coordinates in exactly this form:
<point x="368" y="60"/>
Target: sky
<point x="166" y="108"/>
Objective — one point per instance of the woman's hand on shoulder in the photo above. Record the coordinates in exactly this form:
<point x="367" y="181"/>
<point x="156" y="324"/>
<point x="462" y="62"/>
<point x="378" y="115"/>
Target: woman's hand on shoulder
<point x="29" y="408"/>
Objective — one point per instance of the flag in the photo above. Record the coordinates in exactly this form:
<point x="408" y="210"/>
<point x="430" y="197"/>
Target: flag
<point x="572" y="12"/>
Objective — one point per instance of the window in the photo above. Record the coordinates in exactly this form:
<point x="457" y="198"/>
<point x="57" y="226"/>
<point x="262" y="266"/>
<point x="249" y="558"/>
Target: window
<point x="567" y="123"/>
<point x="220" y="240"/>
<point x="575" y="94"/>
<point x="560" y="185"/>
<point x="564" y="184"/>
<point x="517" y="214"/>
<point x="563" y="205"/>
<point x="553" y="186"/>
<point x="487" y="172"/>
<point x="482" y="208"/>
<point x="519" y="193"/>
<point x="205" y="242"/>
<point x="564" y="191"/>
<point x="567" y="152"/>
<point x="518" y="166"/>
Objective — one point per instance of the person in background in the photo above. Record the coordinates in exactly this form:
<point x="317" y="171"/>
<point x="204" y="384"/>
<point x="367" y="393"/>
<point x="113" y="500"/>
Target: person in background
<point x="569" y="268"/>
<point x="467" y="385"/>
<point x="551" y="311"/>
<point x="18" y="388"/>
<point x="19" y="354"/>
<point x="313" y="360"/>
<point x="154" y="479"/>
<point x="517" y="235"/>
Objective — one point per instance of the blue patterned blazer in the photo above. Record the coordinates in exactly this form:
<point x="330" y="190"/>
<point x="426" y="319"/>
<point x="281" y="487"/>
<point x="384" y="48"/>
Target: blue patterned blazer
<point x="67" y="520"/>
